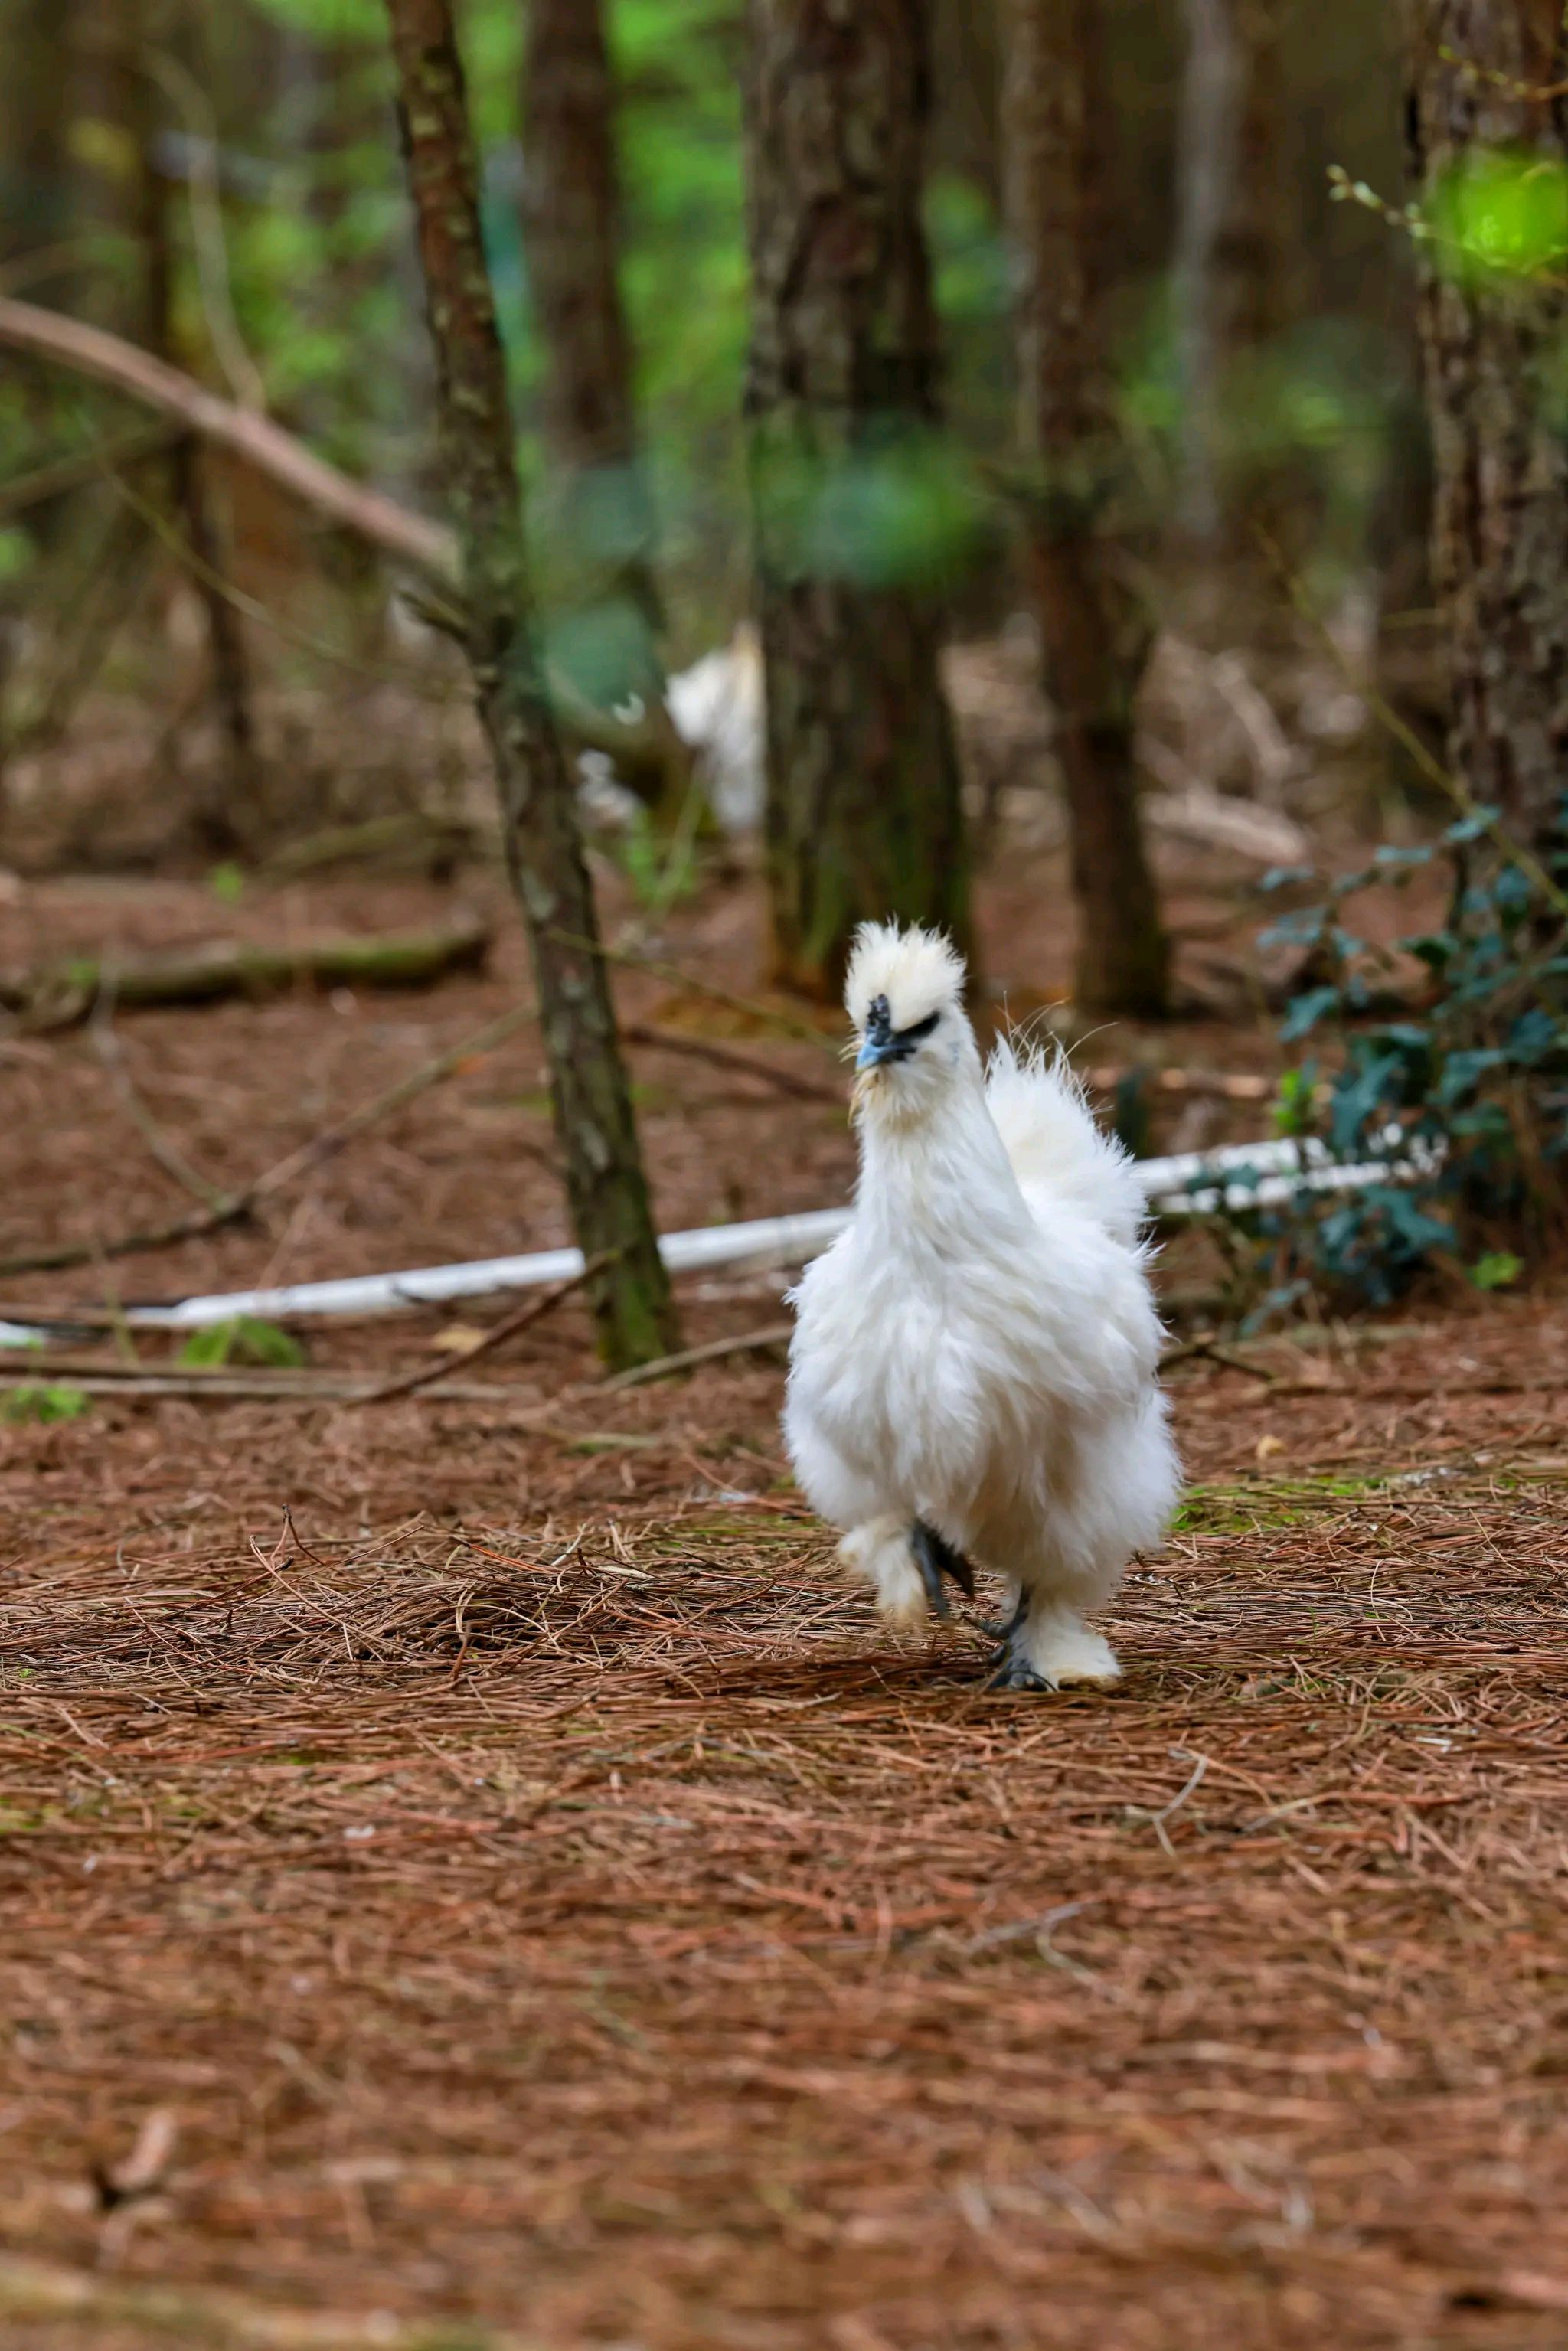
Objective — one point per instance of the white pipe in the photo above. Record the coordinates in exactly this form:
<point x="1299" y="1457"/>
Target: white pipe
<point x="772" y="1240"/>
<point x="1180" y="1185"/>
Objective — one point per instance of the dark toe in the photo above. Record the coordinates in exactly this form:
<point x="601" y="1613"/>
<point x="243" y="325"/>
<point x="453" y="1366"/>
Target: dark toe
<point x="1012" y="1673"/>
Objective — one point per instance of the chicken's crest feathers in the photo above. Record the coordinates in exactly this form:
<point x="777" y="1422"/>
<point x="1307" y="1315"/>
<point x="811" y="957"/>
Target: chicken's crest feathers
<point x="918" y="971"/>
<point x="1053" y="1143"/>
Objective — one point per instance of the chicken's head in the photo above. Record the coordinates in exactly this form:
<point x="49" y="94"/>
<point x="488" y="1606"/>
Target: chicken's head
<point x="904" y="993"/>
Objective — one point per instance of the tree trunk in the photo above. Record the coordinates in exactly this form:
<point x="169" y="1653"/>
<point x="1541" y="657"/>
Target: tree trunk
<point x="602" y="509"/>
<point x="1492" y="345"/>
<point x="220" y="816"/>
<point x="1094" y="638"/>
<point x="544" y="848"/>
<point x="571" y="220"/>
<point x="1230" y="280"/>
<point x="966" y="58"/>
<point x="862" y="810"/>
<point x="38" y="180"/>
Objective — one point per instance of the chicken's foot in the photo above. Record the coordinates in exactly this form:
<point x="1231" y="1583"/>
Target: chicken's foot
<point x="1010" y="1667"/>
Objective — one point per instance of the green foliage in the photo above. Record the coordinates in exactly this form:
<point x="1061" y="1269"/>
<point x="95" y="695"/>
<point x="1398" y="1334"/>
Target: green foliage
<point x="1295" y="1107"/>
<point x="227" y="882"/>
<point x="243" y="1339"/>
<point x="1500" y="213"/>
<point x="320" y="275"/>
<point x="1304" y="420"/>
<point x="44" y="1402"/>
<point x="1463" y="1095"/>
<point x="330" y="21"/>
<point x="902" y="510"/>
<point x="15" y="556"/>
<point x="662" y="869"/>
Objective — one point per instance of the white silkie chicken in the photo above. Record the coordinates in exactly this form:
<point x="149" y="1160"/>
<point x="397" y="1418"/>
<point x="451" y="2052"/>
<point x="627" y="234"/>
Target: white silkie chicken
<point x="972" y="1375"/>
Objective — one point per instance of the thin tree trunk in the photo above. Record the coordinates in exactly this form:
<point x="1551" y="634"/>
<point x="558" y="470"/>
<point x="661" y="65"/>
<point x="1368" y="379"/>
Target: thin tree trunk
<point x="1094" y="638"/>
<point x="1231" y="277"/>
<point x="1492" y="348"/>
<point x="38" y="180"/>
<point x="220" y="819"/>
<point x="1206" y="174"/>
<point x="571" y="224"/>
<point x="862" y="809"/>
<point x="572" y="228"/>
<point x="593" y="1104"/>
<point x="965" y="57"/>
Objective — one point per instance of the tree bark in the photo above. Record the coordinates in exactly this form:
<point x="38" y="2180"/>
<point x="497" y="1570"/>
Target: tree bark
<point x="220" y="816"/>
<point x="863" y="809"/>
<point x="571" y="220"/>
<point x="1230" y="281"/>
<point x="571" y="229"/>
<point x="1492" y="345"/>
<point x="37" y="179"/>
<point x="1094" y="638"/>
<point x="593" y="1104"/>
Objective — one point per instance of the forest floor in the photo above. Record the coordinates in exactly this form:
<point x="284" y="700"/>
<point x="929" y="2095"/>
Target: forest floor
<point x="473" y="1877"/>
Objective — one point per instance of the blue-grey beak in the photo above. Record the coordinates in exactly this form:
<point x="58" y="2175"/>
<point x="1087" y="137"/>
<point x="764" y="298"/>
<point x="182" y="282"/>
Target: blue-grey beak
<point x="878" y="1044"/>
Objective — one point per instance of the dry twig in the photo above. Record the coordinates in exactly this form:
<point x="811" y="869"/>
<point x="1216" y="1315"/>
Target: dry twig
<point x="522" y="1319"/>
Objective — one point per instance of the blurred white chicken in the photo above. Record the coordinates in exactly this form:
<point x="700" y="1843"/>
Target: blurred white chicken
<point x="973" y="1369"/>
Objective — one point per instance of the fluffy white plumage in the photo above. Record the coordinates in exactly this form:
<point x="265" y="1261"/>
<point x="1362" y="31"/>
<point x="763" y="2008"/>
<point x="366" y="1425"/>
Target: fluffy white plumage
<point x="978" y="1350"/>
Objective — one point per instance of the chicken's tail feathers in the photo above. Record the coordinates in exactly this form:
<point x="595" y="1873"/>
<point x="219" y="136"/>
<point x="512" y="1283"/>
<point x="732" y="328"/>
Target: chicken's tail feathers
<point x="1053" y="1143"/>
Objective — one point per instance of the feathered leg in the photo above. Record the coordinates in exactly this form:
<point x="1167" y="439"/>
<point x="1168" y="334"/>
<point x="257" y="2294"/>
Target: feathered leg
<point x="1047" y="1646"/>
<point x="878" y="1551"/>
<point x="905" y="1565"/>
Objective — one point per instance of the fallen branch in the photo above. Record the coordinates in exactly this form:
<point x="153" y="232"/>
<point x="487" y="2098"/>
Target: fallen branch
<point x="232" y="1211"/>
<point x="726" y="1057"/>
<point x="73" y="473"/>
<point x="236" y="1206"/>
<point x="713" y="1351"/>
<point x="789" y="1024"/>
<point x="652" y="749"/>
<point x="111" y="1053"/>
<point x="521" y="1319"/>
<point x="1209" y="1345"/>
<point x="62" y="996"/>
<point x="89" y="351"/>
<point x="247" y="1386"/>
<point x="414" y="836"/>
<point x="1182" y="1351"/>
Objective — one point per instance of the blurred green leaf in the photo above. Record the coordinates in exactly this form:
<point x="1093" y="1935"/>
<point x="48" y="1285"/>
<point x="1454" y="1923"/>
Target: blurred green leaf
<point x="17" y="555"/>
<point x="243" y="1339"/>
<point x="1503" y="213"/>
<point x="44" y="1402"/>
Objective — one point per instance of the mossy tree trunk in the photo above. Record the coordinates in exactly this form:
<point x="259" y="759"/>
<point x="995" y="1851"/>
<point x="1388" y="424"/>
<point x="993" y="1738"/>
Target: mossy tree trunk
<point x="864" y="817"/>
<point x="593" y="1104"/>
<point x="1492" y="344"/>
<point x="1094" y="636"/>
